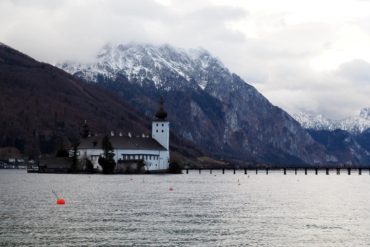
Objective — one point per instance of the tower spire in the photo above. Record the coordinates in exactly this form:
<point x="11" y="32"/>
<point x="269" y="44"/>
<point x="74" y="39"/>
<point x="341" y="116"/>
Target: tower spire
<point x="161" y="113"/>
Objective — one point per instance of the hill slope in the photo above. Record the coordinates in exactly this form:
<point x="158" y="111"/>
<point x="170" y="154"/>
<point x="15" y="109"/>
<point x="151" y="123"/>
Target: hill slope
<point x="40" y="105"/>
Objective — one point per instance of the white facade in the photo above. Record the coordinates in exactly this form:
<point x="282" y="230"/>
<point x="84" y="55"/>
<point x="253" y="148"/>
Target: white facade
<point x="161" y="133"/>
<point x="154" y="160"/>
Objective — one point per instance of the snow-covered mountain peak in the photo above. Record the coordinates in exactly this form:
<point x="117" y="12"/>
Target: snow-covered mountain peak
<point x="157" y="63"/>
<point x="365" y="113"/>
<point x="355" y="124"/>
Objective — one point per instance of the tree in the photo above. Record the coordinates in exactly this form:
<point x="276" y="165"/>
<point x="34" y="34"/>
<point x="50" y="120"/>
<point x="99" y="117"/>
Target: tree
<point x="89" y="168"/>
<point x="107" y="162"/>
<point x="85" y="130"/>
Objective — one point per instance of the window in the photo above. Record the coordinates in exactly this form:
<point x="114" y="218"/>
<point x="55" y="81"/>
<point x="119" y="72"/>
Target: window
<point x="156" y="131"/>
<point x="157" y="125"/>
<point x="162" y="125"/>
<point x="162" y="131"/>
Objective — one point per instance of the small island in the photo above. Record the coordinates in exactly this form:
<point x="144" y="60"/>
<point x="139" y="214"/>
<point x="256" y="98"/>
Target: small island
<point x="116" y="153"/>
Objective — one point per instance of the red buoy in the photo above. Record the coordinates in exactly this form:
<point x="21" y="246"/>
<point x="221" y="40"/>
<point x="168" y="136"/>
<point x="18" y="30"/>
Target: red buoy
<point x="61" y="201"/>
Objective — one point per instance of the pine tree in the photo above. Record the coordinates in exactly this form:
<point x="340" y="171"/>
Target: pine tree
<point x="107" y="162"/>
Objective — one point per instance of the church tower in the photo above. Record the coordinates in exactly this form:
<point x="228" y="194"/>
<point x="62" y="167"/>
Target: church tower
<point x="161" y="127"/>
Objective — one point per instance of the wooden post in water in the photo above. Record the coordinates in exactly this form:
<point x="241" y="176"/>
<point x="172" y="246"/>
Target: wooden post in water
<point x="284" y="171"/>
<point x="295" y="171"/>
<point x="267" y="171"/>
<point x="210" y="171"/>
<point x="327" y="171"/>
<point x="338" y="171"/>
<point x="245" y="170"/>
<point x="234" y="170"/>
<point x="200" y="169"/>
<point x="187" y="171"/>
<point x="305" y="171"/>
<point x="316" y="171"/>
<point x="223" y="170"/>
<point x="359" y="171"/>
<point x="349" y="171"/>
<point x="256" y="170"/>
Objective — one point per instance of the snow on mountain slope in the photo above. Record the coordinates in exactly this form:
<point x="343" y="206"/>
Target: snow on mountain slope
<point x="356" y="124"/>
<point x="140" y="61"/>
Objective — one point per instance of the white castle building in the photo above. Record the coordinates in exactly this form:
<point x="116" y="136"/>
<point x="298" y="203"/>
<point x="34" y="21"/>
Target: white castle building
<point x="153" y="152"/>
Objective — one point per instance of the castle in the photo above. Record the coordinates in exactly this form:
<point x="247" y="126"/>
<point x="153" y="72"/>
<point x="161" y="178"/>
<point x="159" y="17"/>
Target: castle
<point x="151" y="153"/>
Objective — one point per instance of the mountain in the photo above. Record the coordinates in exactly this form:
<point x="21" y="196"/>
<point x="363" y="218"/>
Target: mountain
<point x="207" y="104"/>
<point x="346" y="139"/>
<point x="43" y="107"/>
<point x="350" y="149"/>
<point x="354" y="125"/>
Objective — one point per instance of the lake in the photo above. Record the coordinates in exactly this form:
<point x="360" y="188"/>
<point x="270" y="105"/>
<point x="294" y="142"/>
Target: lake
<point x="201" y="210"/>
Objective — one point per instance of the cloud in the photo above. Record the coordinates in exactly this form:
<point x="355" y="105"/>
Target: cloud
<point x="356" y="71"/>
<point x="303" y="56"/>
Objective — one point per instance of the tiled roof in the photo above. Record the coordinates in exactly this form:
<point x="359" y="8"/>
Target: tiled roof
<point x="122" y="142"/>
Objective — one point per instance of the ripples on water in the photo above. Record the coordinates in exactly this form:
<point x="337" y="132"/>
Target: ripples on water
<point x="202" y="210"/>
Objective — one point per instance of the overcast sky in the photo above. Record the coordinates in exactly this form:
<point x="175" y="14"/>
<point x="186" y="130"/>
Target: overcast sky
<point x="304" y="56"/>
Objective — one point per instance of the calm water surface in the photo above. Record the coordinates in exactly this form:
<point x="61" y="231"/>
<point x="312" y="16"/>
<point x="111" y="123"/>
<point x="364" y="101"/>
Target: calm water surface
<point x="202" y="210"/>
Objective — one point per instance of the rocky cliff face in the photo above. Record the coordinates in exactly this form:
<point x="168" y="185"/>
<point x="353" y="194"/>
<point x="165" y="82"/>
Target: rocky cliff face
<point x="207" y="104"/>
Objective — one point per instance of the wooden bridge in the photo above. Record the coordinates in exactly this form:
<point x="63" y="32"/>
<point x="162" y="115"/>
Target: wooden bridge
<point x="284" y="171"/>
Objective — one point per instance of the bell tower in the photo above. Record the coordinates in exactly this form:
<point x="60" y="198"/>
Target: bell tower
<point x="161" y="127"/>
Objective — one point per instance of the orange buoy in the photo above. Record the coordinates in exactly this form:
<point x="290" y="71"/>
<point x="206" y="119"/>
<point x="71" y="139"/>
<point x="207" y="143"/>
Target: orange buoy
<point x="61" y="201"/>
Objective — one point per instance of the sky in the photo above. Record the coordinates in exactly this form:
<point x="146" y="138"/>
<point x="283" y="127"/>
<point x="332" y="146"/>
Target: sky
<point x="304" y="56"/>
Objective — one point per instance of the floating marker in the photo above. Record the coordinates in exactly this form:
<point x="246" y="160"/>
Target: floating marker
<point x="60" y="201"/>
<point x="170" y="189"/>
